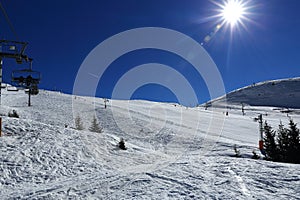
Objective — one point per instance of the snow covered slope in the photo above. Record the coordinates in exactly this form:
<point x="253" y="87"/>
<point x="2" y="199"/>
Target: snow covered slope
<point x="277" y="93"/>
<point x="173" y="152"/>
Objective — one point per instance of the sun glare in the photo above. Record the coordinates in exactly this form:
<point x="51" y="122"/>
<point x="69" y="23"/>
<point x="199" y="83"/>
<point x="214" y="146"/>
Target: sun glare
<point x="232" y="12"/>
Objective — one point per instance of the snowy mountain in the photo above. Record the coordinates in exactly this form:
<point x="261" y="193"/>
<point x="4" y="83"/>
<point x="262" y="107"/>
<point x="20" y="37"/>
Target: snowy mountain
<point x="278" y="93"/>
<point x="173" y="152"/>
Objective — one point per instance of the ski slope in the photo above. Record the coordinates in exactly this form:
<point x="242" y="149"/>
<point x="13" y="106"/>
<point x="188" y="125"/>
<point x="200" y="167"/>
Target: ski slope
<point x="173" y="152"/>
<point x="280" y="93"/>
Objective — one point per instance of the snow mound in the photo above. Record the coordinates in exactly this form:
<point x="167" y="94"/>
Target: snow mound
<point x="277" y="93"/>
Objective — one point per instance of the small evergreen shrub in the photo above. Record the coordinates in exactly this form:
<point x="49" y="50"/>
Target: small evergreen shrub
<point x="78" y="123"/>
<point x="255" y="156"/>
<point x="236" y="151"/>
<point x="95" y="127"/>
<point x="122" y="144"/>
<point x="13" y="114"/>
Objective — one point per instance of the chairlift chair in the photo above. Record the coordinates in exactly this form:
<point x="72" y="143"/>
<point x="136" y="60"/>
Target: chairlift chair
<point x="26" y="77"/>
<point x="14" y="49"/>
<point x="3" y="86"/>
<point x="12" y="89"/>
<point x="33" y="90"/>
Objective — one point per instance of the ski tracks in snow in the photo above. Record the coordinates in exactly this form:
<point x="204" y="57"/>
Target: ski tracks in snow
<point x="41" y="159"/>
<point x="241" y="183"/>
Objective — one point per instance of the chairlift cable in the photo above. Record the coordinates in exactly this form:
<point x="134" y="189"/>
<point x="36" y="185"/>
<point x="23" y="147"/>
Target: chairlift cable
<point x="8" y="21"/>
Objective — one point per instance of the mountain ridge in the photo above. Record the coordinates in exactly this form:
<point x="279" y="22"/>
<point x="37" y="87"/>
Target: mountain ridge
<point x="283" y="93"/>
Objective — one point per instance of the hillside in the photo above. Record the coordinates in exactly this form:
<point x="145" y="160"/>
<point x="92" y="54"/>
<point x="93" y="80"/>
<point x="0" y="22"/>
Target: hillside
<point x="277" y="93"/>
<point x="173" y="152"/>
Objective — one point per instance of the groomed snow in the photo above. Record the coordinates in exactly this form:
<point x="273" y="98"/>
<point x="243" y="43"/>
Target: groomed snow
<point x="173" y="152"/>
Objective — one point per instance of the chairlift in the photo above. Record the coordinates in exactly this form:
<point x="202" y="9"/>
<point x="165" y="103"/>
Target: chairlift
<point x="12" y="89"/>
<point x="26" y="78"/>
<point x="14" y="49"/>
<point x="3" y="85"/>
<point x="33" y="90"/>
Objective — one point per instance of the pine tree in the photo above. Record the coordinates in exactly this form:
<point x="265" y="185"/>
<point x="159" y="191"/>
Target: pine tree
<point x="95" y="127"/>
<point x="293" y="149"/>
<point x="283" y="142"/>
<point x="78" y="123"/>
<point x="270" y="144"/>
<point x="287" y="148"/>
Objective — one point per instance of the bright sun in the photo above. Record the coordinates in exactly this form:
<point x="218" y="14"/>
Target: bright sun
<point x="233" y="12"/>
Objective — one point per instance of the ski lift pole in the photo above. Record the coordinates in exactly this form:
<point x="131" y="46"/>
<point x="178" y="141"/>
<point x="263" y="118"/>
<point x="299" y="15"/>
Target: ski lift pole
<point x="0" y="126"/>
<point x="29" y="97"/>
<point x="29" y="93"/>
<point x="0" y="78"/>
<point x="30" y="59"/>
<point x="105" y="101"/>
<point x="261" y="131"/>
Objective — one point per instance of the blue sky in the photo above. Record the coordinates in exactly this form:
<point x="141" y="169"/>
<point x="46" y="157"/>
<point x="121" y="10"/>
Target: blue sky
<point x="62" y="33"/>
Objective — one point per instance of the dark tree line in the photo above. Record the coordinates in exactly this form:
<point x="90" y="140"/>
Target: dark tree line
<point x="282" y="145"/>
